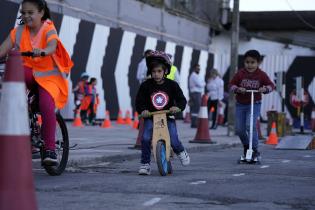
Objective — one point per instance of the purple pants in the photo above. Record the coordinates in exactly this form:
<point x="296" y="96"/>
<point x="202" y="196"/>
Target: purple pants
<point x="46" y="108"/>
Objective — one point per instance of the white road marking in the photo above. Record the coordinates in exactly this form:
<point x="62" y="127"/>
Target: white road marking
<point x="286" y="161"/>
<point x="241" y="174"/>
<point x="307" y="156"/>
<point x="198" y="182"/>
<point x="151" y="202"/>
<point x="265" y="166"/>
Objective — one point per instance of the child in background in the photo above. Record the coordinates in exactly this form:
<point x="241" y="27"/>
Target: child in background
<point x="159" y="93"/>
<point x="79" y="91"/>
<point x="251" y="77"/>
<point x="90" y="102"/>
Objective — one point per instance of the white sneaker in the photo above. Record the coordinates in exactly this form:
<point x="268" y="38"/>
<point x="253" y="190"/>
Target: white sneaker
<point x="184" y="158"/>
<point x="145" y="169"/>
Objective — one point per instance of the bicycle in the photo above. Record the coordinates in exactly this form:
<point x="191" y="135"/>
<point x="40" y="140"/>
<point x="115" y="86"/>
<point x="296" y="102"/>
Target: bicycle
<point x="161" y="143"/>
<point x="62" y="138"/>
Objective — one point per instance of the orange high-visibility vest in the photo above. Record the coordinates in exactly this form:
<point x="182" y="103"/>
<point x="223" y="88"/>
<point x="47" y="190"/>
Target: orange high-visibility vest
<point x="88" y="99"/>
<point x="50" y="72"/>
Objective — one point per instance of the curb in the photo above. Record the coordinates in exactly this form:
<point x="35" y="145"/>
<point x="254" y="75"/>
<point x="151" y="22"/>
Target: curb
<point x="121" y="158"/>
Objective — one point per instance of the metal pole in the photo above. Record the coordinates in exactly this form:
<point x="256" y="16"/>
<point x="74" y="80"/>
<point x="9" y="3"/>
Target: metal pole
<point x="283" y="91"/>
<point x="234" y="65"/>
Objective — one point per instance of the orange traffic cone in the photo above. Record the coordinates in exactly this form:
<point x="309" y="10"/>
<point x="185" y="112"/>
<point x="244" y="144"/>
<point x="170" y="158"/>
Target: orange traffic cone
<point x="16" y="178"/>
<point x="187" y="118"/>
<point x="313" y="120"/>
<point x="77" y="120"/>
<point x="106" y="123"/>
<point x="120" y="120"/>
<point x="140" y="133"/>
<point x="136" y="121"/>
<point x="39" y="119"/>
<point x="273" y="138"/>
<point x="203" y="135"/>
<point x="128" y="120"/>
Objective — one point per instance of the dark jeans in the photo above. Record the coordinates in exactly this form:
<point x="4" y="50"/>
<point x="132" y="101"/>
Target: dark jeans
<point x="195" y="103"/>
<point x="147" y="138"/>
<point x="242" y="122"/>
<point x="214" y="104"/>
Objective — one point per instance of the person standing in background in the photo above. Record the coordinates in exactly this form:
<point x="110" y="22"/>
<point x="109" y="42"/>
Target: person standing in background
<point x="215" y="90"/>
<point x="142" y="71"/>
<point x="173" y="75"/>
<point x="196" y="88"/>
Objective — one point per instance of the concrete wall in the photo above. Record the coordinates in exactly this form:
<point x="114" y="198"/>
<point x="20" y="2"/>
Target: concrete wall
<point x="111" y="53"/>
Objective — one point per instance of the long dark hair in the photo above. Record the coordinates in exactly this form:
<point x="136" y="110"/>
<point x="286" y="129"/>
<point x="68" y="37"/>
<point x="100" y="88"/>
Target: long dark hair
<point x="41" y="5"/>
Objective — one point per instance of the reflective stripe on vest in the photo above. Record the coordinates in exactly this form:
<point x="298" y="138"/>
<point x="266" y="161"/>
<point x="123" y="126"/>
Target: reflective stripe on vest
<point x="54" y="72"/>
<point x="171" y="75"/>
<point x="51" y="32"/>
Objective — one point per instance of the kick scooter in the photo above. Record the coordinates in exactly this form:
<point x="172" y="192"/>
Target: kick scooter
<point x="249" y="152"/>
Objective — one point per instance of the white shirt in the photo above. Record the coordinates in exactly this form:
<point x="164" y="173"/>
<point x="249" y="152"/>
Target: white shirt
<point x="196" y="83"/>
<point x="142" y="71"/>
<point x="215" y="88"/>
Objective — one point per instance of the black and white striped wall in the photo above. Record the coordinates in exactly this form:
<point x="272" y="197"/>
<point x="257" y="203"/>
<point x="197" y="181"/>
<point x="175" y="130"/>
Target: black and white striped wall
<point x="112" y="55"/>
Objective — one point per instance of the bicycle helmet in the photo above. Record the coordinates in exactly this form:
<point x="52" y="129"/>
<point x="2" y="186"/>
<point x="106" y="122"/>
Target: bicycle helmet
<point x="158" y="57"/>
<point x="84" y="75"/>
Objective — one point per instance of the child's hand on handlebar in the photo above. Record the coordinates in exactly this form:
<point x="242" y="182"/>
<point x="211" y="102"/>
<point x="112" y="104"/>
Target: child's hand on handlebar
<point x="37" y="52"/>
<point x="241" y="90"/>
<point x="174" y="109"/>
<point x="262" y="89"/>
<point x="145" y="113"/>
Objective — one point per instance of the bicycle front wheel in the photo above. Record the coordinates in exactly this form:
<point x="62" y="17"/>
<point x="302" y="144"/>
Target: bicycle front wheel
<point x="162" y="163"/>
<point x="62" y="148"/>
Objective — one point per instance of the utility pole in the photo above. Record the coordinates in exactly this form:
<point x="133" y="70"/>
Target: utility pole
<point x="234" y="65"/>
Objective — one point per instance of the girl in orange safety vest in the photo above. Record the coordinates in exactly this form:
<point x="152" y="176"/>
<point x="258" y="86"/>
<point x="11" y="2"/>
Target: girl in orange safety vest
<point x="90" y="102"/>
<point x="46" y="75"/>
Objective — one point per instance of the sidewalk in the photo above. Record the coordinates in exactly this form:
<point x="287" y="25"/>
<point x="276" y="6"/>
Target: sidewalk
<point x="95" y="144"/>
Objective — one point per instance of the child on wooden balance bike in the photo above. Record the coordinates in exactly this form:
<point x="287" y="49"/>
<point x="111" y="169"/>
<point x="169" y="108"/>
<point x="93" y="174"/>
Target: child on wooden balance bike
<point x="156" y="94"/>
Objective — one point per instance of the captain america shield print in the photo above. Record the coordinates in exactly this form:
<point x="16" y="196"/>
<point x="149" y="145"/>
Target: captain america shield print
<point x="159" y="100"/>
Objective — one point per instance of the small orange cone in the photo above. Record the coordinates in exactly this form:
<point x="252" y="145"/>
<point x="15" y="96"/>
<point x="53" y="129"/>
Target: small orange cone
<point x="106" y="123"/>
<point x="273" y="138"/>
<point x="16" y="177"/>
<point x="120" y="120"/>
<point x="136" y="121"/>
<point x="77" y="120"/>
<point x="187" y="118"/>
<point x="203" y="135"/>
<point x="128" y="120"/>
<point x="313" y="120"/>
<point x="39" y="119"/>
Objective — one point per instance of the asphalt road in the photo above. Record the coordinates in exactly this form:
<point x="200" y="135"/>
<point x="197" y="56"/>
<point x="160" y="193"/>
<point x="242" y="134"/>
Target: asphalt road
<point x="214" y="180"/>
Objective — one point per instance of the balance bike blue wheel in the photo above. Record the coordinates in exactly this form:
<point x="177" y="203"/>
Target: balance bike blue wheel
<point x="161" y="161"/>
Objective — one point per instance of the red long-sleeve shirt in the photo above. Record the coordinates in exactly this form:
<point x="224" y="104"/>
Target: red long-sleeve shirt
<point x="250" y="81"/>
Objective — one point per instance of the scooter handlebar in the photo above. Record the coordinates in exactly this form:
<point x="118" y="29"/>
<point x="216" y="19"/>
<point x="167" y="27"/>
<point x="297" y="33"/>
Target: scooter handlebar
<point x="254" y="91"/>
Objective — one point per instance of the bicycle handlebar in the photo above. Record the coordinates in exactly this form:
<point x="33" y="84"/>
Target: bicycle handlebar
<point x="159" y="112"/>
<point x="31" y="54"/>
